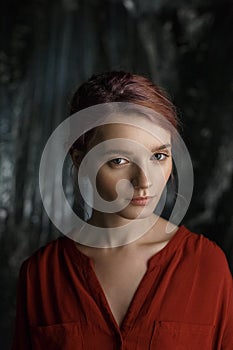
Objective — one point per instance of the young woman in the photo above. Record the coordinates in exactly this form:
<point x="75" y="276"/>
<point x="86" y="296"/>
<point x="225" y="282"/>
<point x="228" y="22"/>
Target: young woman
<point x="157" y="290"/>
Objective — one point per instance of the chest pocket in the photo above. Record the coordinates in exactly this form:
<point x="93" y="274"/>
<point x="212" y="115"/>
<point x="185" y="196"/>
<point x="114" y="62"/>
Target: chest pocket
<point x="181" y="336"/>
<point x="64" y="336"/>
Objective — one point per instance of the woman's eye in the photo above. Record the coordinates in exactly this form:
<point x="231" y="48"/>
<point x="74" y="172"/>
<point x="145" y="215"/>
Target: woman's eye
<point x="118" y="161"/>
<point x="160" y="156"/>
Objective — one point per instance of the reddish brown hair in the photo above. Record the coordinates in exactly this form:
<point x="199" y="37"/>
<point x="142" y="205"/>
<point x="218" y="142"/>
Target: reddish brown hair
<point x="119" y="86"/>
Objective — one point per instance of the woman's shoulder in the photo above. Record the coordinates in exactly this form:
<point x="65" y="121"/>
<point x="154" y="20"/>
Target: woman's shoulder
<point x="199" y="240"/>
<point x="192" y="241"/>
<point x="207" y="253"/>
<point x="44" y="256"/>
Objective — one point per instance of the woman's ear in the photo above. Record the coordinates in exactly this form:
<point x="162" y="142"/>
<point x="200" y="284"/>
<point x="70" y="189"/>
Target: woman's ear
<point x="77" y="157"/>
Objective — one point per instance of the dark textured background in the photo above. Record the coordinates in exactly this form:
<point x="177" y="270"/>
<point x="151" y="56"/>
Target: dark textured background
<point x="47" y="48"/>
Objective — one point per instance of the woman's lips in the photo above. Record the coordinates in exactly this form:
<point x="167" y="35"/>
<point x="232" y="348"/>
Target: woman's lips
<point x="141" y="201"/>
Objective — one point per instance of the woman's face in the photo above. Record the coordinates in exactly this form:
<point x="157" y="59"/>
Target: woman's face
<point x="143" y="160"/>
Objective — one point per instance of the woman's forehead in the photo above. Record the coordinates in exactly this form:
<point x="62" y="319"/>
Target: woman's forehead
<point x="153" y="134"/>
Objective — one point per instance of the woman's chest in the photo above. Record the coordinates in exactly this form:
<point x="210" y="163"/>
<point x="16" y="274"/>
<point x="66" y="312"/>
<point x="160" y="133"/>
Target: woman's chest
<point x="119" y="280"/>
<point x="165" y="307"/>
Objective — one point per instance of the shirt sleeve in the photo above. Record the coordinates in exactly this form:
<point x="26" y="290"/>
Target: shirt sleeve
<point x="227" y="342"/>
<point x="21" y="338"/>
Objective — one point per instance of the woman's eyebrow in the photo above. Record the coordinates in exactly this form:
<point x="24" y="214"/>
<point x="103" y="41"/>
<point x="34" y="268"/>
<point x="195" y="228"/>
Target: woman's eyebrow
<point x="115" y="151"/>
<point x="167" y="145"/>
<point x="159" y="148"/>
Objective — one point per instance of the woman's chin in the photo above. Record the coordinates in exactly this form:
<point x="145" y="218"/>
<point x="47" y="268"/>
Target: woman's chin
<point x="133" y="213"/>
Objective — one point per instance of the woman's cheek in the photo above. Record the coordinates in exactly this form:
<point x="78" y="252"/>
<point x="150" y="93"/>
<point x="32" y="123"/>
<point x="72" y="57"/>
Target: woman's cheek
<point x="106" y="186"/>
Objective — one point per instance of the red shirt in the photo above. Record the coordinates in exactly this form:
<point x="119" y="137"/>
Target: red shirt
<point x="184" y="301"/>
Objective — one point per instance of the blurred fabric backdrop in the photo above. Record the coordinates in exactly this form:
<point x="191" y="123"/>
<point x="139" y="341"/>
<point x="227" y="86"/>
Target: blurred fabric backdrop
<point x="48" y="48"/>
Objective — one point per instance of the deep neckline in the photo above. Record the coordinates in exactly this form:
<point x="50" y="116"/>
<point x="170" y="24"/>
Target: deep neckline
<point x="86" y="264"/>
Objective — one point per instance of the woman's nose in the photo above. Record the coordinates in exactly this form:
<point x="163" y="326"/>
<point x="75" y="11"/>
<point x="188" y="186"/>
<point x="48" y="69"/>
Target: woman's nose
<point x="141" y="179"/>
